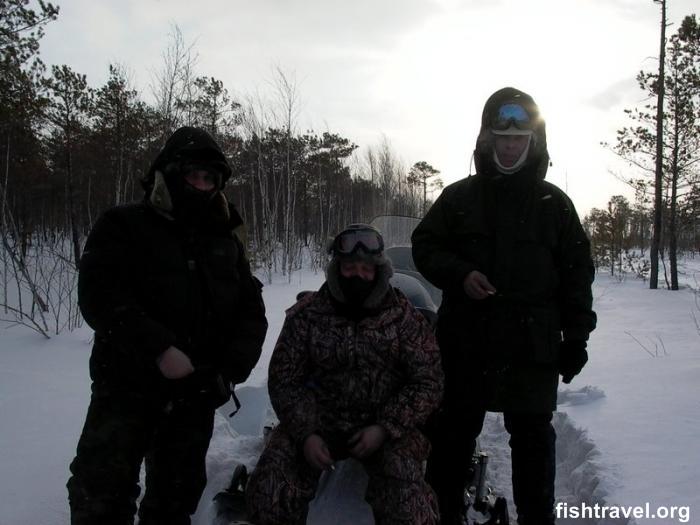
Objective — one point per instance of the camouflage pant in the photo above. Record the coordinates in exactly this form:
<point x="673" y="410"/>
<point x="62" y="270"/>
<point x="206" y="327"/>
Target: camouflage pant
<point x="119" y="432"/>
<point x="283" y="483"/>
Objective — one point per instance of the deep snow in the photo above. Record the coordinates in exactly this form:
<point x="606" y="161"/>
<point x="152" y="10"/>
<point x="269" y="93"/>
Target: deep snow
<point x="628" y="426"/>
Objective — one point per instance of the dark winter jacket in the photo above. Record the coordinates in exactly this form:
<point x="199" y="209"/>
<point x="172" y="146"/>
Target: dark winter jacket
<point x="148" y="281"/>
<point x="329" y="374"/>
<point x="524" y="234"/>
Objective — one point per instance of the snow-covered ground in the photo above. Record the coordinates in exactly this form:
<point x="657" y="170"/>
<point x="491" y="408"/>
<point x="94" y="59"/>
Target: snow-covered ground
<point x="628" y="426"/>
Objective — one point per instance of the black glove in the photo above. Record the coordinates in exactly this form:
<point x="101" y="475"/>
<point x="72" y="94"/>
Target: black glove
<point x="572" y="358"/>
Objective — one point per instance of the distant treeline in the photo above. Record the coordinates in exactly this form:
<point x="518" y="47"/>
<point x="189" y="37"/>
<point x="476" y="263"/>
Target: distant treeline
<point x="621" y="235"/>
<point x="70" y="150"/>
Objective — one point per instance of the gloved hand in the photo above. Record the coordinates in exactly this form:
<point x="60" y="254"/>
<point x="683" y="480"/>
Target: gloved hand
<point x="572" y="358"/>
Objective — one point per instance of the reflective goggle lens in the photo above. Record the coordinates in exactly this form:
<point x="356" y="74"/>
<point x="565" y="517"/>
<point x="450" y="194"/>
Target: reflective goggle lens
<point x="511" y="115"/>
<point x="348" y="242"/>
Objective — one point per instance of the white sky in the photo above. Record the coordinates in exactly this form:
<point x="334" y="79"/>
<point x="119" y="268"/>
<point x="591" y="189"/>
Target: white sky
<point x="418" y="71"/>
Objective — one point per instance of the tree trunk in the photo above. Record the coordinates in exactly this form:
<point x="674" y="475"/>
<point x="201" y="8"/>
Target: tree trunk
<point x="658" y="178"/>
<point x="673" y="221"/>
<point x="673" y="235"/>
<point x="3" y="221"/>
<point x="72" y="207"/>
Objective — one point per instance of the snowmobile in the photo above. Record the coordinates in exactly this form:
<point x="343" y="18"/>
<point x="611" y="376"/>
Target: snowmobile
<point x="482" y="506"/>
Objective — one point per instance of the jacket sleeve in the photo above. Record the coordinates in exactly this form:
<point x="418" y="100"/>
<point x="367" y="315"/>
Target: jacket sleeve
<point x="251" y="324"/>
<point x="106" y="290"/>
<point x="434" y="250"/>
<point x="423" y="384"/>
<point x="577" y="272"/>
<point x="288" y="375"/>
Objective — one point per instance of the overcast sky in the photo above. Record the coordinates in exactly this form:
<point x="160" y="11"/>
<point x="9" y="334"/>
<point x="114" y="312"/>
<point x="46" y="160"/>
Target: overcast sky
<point x="417" y="71"/>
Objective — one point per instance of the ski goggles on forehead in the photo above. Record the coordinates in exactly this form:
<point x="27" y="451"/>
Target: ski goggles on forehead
<point x="511" y="115"/>
<point x="349" y="241"/>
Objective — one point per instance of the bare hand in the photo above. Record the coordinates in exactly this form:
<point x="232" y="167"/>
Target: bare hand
<point x="174" y="364"/>
<point x="477" y="286"/>
<point x="316" y="452"/>
<point x="367" y="441"/>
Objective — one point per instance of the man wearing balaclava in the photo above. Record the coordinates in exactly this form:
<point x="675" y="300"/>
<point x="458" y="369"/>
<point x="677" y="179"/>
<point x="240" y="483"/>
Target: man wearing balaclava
<point x="356" y="368"/>
<point x="178" y="320"/>
<point x="509" y="253"/>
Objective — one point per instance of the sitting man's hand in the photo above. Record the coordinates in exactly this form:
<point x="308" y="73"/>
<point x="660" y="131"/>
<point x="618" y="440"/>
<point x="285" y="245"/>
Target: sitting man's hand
<point x="477" y="286"/>
<point x="316" y="452"/>
<point x="572" y="358"/>
<point x="367" y="441"/>
<point x="174" y="364"/>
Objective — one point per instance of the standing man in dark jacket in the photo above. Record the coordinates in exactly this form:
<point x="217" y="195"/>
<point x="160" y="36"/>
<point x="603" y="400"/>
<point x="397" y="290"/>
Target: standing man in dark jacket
<point x="514" y="264"/>
<point x="178" y="320"/>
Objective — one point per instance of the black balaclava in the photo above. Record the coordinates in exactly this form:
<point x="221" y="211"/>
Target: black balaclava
<point x="190" y="204"/>
<point x="355" y="289"/>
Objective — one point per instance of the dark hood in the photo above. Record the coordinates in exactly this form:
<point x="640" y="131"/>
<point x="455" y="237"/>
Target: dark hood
<point x="537" y="159"/>
<point x="188" y="144"/>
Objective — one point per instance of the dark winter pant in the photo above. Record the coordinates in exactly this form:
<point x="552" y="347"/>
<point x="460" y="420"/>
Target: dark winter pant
<point x="283" y="483"/>
<point x="119" y="432"/>
<point x="532" y="441"/>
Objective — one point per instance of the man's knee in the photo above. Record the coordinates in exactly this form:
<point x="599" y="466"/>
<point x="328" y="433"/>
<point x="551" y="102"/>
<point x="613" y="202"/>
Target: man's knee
<point x="403" y="458"/>
<point x="402" y="502"/>
<point x="397" y="490"/>
<point x="282" y="485"/>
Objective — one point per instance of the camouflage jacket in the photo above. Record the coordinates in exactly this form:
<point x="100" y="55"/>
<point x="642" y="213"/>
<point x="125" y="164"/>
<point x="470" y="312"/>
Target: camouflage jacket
<point x="331" y="374"/>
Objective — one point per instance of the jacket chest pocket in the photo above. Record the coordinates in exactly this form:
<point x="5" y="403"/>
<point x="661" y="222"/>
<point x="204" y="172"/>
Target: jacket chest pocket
<point x="331" y="348"/>
<point x="221" y="260"/>
<point x="381" y="348"/>
<point x="165" y="276"/>
<point x="536" y="242"/>
<point x="541" y="228"/>
<point x="474" y="239"/>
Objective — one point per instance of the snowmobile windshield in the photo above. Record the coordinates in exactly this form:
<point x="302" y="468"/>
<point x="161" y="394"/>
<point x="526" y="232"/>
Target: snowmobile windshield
<point x="396" y="232"/>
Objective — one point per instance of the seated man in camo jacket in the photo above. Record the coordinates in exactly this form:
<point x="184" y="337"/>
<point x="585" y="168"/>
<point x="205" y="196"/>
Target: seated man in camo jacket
<point x="355" y="370"/>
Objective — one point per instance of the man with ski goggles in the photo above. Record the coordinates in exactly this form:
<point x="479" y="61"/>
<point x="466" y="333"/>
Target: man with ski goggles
<point x="354" y="372"/>
<point x="514" y="264"/>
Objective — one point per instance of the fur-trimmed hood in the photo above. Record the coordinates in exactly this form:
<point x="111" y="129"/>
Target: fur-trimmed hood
<point x="188" y="144"/>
